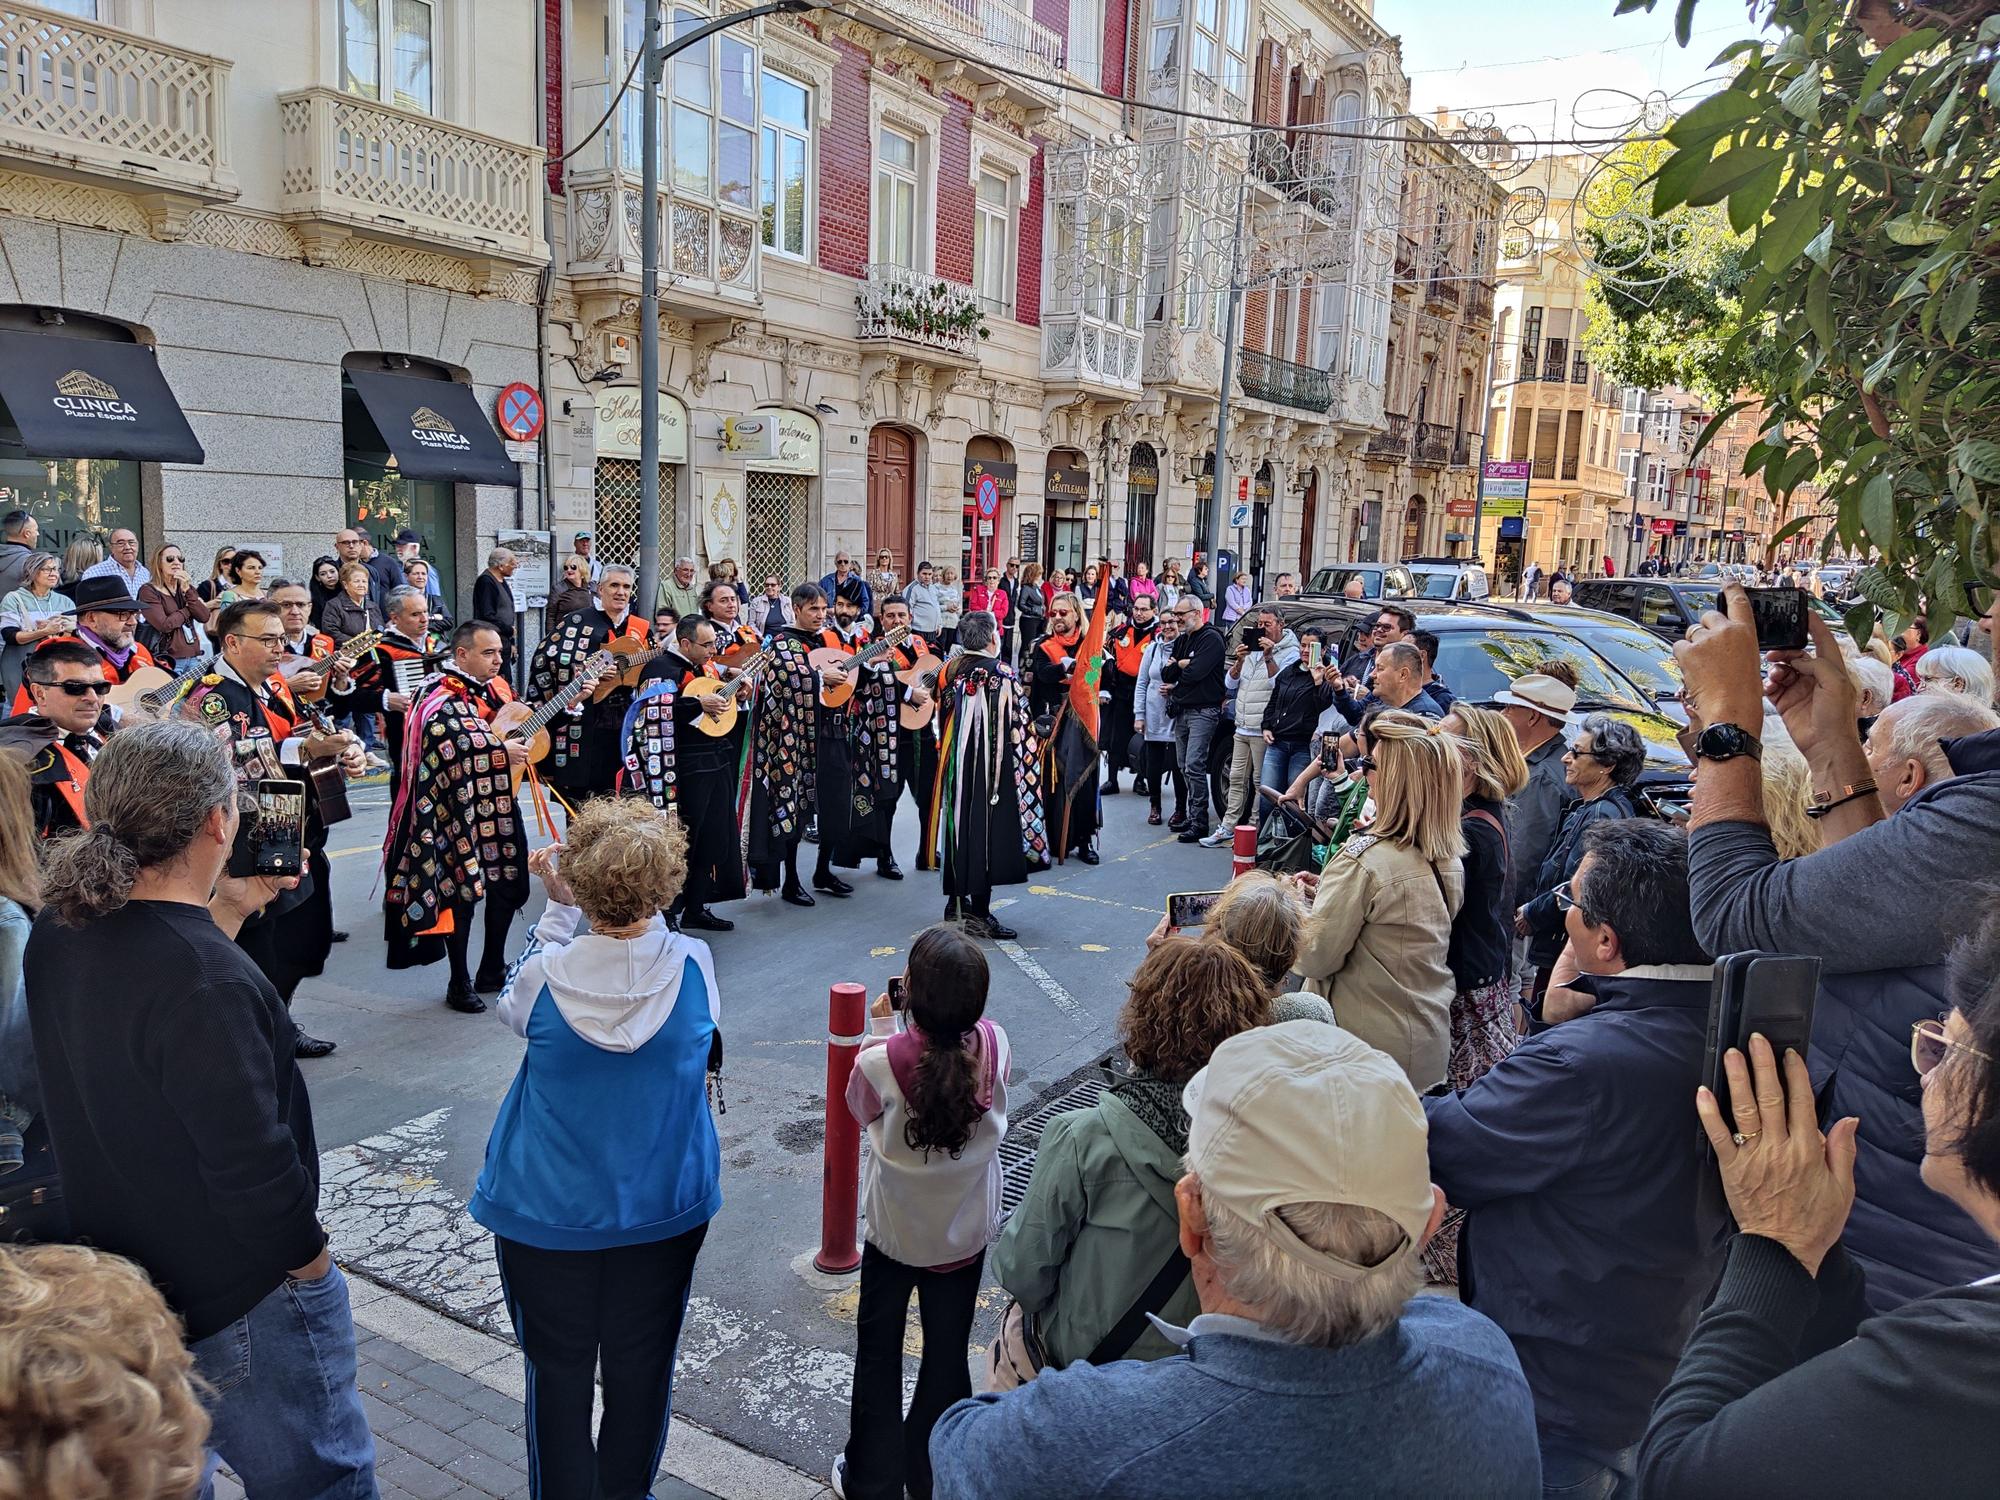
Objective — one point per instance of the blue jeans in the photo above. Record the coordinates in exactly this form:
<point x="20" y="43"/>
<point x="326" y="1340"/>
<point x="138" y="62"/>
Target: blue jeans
<point x="1574" y="1474"/>
<point x="288" y="1419"/>
<point x="1283" y="764"/>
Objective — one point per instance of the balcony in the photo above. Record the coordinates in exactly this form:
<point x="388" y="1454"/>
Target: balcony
<point x="1545" y="468"/>
<point x="1406" y="257"/>
<point x="356" y="167"/>
<point x="1444" y="290"/>
<point x="1579" y="371"/>
<point x="1393" y="441"/>
<point x="1433" y="448"/>
<point x="1090" y="353"/>
<point x="105" y="106"/>
<point x="1461" y="451"/>
<point x="1282" y="383"/>
<point x="1479" y="303"/>
<point x="898" y="305"/>
<point x="989" y="30"/>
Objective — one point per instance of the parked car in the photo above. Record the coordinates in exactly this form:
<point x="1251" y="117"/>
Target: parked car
<point x="1448" y="578"/>
<point x="1666" y="606"/>
<point x="1642" y="655"/>
<point x="1378" y="580"/>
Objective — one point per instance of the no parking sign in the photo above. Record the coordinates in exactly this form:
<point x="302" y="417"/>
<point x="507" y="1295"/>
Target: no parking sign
<point x="519" y="412"/>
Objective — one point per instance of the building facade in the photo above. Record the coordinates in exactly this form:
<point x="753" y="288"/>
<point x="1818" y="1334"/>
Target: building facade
<point x="1672" y="510"/>
<point x="275" y="226"/>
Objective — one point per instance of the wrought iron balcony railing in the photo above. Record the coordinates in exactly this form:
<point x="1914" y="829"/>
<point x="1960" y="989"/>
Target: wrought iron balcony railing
<point x="1265" y="377"/>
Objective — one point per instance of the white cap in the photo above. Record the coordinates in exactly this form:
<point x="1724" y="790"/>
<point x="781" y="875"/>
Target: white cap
<point x="1301" y="1113"/>
<point x="1549" y="696"/>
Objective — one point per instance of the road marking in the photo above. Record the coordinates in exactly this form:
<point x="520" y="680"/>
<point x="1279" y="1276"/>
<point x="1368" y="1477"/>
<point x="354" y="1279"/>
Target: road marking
<point x="357" y="849"/>
<point x="1095" y="948"/>
<point x="1045" y="982"/>
<point x="1069" y="895"/>
<point x="1145" y="849"/>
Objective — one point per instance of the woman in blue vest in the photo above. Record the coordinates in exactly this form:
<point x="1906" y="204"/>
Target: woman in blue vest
<point x="603" y="1168"/>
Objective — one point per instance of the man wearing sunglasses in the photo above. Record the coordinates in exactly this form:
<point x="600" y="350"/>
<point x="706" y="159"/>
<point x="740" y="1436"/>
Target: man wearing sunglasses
<point x="60" y="735"/>
<point x="1392" y="624"/>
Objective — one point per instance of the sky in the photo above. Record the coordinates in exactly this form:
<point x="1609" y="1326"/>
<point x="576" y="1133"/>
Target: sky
<point x="1554" y="67"/>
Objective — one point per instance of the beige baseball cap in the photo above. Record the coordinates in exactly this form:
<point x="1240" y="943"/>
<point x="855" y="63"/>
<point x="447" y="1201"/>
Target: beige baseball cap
<point x="1304" y="1112"/>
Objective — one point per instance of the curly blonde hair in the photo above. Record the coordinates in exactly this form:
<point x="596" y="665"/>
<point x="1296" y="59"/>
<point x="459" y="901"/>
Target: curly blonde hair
<point x="1185" y="1000"/>
<point x="1788" y="792"/>
<point x="625" y="860"/>
<point x="97" y="1394"/>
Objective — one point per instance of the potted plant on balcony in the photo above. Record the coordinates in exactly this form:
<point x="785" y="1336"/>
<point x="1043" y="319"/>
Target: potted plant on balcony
<point x="933" y="311"/>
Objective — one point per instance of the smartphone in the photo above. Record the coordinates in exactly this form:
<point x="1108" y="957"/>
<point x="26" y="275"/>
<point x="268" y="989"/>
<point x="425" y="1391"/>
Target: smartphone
<point x="271" y="841"/>
<point x="1781" y="618"/>
<point x="1190" y="909"/>
<point x="898" y="992"/>
<point x="1312" y="656"/>
<point x="1751" y="992"/>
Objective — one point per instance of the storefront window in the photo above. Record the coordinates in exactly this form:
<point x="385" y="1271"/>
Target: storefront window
<point x="381" y="503"/>
<point x="72" y="497"/>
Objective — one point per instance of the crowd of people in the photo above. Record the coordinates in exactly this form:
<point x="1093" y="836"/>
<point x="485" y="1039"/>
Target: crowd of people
<point x="1451" y="1037"/>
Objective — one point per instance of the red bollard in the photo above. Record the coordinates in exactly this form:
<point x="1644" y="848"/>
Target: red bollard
<point x="840" y="1175"/>
<point x="1243" y="849"/>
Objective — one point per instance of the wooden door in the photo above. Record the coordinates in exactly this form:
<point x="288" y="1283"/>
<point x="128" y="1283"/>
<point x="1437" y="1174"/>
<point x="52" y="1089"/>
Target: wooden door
<point x="892" y="495"/>
<point x="1308" y="522"/>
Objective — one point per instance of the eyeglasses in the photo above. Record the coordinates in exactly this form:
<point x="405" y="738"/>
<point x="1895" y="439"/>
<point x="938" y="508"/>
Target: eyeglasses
<point x="79" y="689"/>
<point x="1382" y="625"/>
<point x="1565" y="897"/>
<point x="265" y="640"/>
<point x="1362" y="763"/>
<point x="1930" y="1044"/>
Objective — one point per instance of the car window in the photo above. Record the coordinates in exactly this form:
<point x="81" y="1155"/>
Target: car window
<point x="1698" y="600"/>
<point x="1435" y="585"/>
<point x="1657" y="607"/>
<point x="1333" y="580"/>
<point x="1476" y="664"/>
<point x="1641" y="656"/>
<point x="1612" y="598"/>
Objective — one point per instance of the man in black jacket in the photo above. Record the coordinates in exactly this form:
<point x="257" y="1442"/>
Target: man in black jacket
<point x="1194" y="699"/>
<point x="493" y="602"/>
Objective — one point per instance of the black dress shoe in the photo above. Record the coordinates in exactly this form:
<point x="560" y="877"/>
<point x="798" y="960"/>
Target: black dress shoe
<point x="311" y="1046"/>
<point x="1088" y="856"/>
<point x="1153" y="817"/>
<point x="888" y="869"/>
<point x="812" y="833"/>
<point x="832" y="885"/>
<point x="1190" y="836"/>
<point x="1110" y="788"/>
<point x="489" y="984"/>
<point x="339" y="936"/>
<point x="1178" y="823"/>
<point x="459" y="998"/>
<point x="704" y="920"/>
<point x="992" y="929"/>
<point x="797" y="895"/>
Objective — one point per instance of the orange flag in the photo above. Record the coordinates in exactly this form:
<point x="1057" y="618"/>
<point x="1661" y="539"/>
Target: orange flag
<point x="1085" y="682"/>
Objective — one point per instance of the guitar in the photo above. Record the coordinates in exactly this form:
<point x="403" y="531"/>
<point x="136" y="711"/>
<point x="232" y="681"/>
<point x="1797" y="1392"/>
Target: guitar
<point x="329" y="781"/>
<point x="327" y="668"/>
<point x="156" y="687"/>
<point x="517" y="721"/>
<point x="829" y="658"/>
<point x="629" y="657"/>
<point x="719" y="723"/>
<point x="923" y="675"/>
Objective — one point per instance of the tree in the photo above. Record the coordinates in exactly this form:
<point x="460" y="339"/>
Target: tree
<point x="1860" y="159"/>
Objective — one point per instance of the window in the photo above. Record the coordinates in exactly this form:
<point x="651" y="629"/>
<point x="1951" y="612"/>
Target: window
<point x="1222" y="46"/>
<point x="992" y="222"/>
<point x="386" y="50"/>
<point x="786" y="165"/>
<point x="1331" y="316"/>
<point x="1086" y="40"/>
<point x="1531" y="338"/>
<point x="1164" y="56"/>
<point x="896" y="199"/>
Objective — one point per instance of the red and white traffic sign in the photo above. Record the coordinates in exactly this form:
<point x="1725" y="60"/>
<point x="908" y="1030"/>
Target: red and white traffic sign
<point x="519" y="411"/>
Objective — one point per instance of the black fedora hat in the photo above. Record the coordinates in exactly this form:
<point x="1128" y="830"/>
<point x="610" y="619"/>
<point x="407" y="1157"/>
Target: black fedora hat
<point x="102" y="592"/>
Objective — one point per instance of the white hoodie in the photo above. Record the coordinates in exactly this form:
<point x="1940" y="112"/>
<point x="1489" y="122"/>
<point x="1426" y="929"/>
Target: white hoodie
<point x="615" y="993"/>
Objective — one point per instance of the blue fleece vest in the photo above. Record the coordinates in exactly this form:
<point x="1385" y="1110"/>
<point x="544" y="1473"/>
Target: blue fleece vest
<point x="595" y="1149"/>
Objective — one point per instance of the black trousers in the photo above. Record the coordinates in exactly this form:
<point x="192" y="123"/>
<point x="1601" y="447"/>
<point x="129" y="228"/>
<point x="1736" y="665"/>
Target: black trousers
<point x="888" y="1452"/>
<point x="1162" y="765"/>
<point x="576" y="1312"/>
<point x="458" y="942"/>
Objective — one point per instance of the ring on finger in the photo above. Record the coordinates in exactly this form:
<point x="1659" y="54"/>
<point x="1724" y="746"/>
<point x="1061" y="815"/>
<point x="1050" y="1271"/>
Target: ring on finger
<point x="1745" y="1137"/>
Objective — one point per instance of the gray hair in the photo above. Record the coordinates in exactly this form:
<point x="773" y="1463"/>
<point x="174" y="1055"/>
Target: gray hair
<point x="1916" y="725"/>
<point x="1404" y="654"/>
<point x="500" y="555"/>
<point x="151" y="789"/>
<point x="1300" y="1302"/>
<point x="629" y="574"/>
<point x="683" y="562"/>
<point x="401" y="595"/>
<point x="1617" y="747"/>
<point x="976" y="629"/>
<point x="1874" y="682"/>
<point x="1956" y="669"/>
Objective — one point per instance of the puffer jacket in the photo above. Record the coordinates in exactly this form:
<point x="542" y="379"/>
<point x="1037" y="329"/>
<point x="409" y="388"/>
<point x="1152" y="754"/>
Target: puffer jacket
<point x="1151" y="692"/>
<point x="1543" y="915"/>
<point x="1253" y="684"/>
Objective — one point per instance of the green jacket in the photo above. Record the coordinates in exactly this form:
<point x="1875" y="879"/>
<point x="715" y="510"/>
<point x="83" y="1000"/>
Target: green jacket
<point x="1098" y="1223"/>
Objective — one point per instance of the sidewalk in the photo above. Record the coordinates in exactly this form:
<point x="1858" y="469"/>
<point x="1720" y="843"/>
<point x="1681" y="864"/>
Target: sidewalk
<point x="444" y="1401"/>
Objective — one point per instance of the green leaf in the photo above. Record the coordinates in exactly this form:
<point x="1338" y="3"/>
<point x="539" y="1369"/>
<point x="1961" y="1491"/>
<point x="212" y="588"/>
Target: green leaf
<point x="1959" y="306"/>
<point x="1712" y="116"/>
<point x="1878" y="509"/>
<point x="1684" y="21"/>
<point x="1819" y="249"/>
<point x="1819" y="307"/>
<point x="1979" y="458"/>
<point x="1941" y="121"/>
<point x="1792" y="528"/>
<point x="1677" y="176"/>
<point x="1732" y="170"/>
<point x="1749" y="202"/>
<point x="1893" y="57"/>
<point x="1802" y="96"/>
<point x="1879" y="366"/>
<point x="1795" y="222"/>
<point x="1860" y="622"/>
<point x="1915" y="229"/>
<point x="1714" y="425"/>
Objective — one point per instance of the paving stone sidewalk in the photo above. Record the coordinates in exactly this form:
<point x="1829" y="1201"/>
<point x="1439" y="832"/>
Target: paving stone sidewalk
<point x="445" y="1404"/>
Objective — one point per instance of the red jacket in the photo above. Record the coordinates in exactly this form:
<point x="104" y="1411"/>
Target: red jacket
<point x="979" y="596"/>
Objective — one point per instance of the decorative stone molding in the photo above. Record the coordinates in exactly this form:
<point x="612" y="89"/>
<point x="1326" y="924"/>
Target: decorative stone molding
<point x="797" y="55"/>
<point x="1009" y="155"/>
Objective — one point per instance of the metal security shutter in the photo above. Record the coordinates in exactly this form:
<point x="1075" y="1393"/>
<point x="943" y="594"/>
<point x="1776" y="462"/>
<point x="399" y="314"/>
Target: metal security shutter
<point x="618" y="511"/>
<point x="774" y="528"/>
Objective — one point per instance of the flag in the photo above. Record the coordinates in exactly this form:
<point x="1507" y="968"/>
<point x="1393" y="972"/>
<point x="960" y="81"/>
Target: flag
<point x="1087" y="680"/>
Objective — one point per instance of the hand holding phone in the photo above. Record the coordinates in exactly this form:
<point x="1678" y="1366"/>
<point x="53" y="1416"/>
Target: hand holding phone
<point x="1781" y="618"/>
<point x="1187" y="909"/>
<point x="899" y="993"/>
<point x="1766" y="994"/>
<point x="271" y="841"/>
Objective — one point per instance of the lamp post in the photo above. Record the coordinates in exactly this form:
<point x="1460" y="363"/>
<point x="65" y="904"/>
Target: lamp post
<point x="652" y="69"/>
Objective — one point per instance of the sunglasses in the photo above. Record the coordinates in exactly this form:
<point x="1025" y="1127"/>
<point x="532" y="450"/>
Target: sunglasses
<point x="1930" y="1045"/>
<point x="1362" y="763"/>
<point x="79" y="689"/>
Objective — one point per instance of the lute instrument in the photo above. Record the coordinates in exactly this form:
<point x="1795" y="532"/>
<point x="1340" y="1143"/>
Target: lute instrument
<point x="629" y="656"/>
<point x="833" y="658"/>
<point x="923" y="675"/>
<point x="150" y="689"/>
<point x="719" y="723"/>
<point x="326" y="668"/>
<point x="520" y="721"/>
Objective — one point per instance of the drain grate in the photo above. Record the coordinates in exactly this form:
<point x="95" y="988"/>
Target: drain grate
<point x="1079" y="1090"/>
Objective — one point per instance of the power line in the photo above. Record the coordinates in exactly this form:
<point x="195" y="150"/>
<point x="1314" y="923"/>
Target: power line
<point x="1522" y="62"/>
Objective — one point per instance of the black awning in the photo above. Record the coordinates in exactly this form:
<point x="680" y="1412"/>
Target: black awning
<point x="92" y="398"/>
<point x="435" y="428"/>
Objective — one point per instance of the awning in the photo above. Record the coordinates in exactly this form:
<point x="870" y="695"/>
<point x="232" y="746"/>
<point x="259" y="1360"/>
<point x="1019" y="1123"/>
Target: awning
<point x="434" y="428"/>
<point x="92" y="398"/>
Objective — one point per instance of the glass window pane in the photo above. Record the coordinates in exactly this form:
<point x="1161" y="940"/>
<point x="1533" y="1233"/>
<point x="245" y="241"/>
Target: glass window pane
<point x="993" y="189"/>
<point x="1239" y="26"/>
<point x="794" y="200"/>
<point x="631" y="130"/>
<point x="1166" y="48"/>
<point x="767" y="185"/>
<point x="413" y="54"/>
<point x="885" y="217"/>
<point x="897" y="150"/>
<point x="739" y="81"/>
<point x="1166" y="10"/>
<point x="785" y="101"/>
<point x="691" y="80"/>
<point x="360" y="48"/>
<point x="1204" y="54"/>
<point x="733" y="147"/>
<point x="906" y="224"/>
<point x="690" y="150"/>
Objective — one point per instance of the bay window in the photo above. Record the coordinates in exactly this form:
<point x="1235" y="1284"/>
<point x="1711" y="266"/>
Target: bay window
<point x="992" y="233"/>
<point x="785" y="165"/>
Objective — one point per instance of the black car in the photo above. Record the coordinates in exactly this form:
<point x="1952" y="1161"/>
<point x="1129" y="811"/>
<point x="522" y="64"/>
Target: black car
<point x="1643" y="655"/>
<point x="1666" y="606"/>
<point x="1483" y="648"/>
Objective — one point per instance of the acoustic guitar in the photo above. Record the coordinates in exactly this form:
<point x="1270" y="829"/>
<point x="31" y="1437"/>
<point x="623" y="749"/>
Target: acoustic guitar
<point x="629" y="657"/>
<point x="155" y="687"/>
<point x="923" y="675"/>
<point x="519" y="721"/>
<point x="833" y="658"/>
<point x="329" y="781"/>
<point x="326" y="668"/>
<point x="715" y="725"/>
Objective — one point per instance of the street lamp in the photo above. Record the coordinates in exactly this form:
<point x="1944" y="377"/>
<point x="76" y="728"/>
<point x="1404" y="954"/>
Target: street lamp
<point x="652" y="68"/>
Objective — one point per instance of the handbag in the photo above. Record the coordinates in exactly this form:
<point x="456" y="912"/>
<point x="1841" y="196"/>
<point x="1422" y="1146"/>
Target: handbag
<point x="1135" y="749"/>
<point x="32" y="1211"/>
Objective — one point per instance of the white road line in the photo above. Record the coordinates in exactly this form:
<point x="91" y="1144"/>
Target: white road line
<point x="1045" y="982"/>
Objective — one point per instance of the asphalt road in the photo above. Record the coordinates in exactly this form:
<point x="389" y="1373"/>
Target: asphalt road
<point x="404" y="1107"/>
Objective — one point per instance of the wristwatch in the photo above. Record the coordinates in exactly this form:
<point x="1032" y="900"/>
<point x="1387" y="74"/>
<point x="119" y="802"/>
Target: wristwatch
<point x="1726" y="742"/>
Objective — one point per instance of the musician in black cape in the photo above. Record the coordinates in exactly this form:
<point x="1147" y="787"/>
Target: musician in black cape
<point x="586" y="745"/>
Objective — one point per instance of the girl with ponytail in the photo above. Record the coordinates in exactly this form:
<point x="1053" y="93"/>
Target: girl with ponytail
<point x="930" y="1088"/>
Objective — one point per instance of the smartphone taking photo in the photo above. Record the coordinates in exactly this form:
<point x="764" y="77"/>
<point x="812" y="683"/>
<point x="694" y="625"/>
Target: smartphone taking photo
<point x="1781" y="618"/>
<point x="271" y="840"/>
<point x="1190" y="909"/>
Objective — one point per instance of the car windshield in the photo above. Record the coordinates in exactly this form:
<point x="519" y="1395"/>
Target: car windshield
<point x="1478" y="664"/>
<point x="1639" y="654"/>
<point x="1434" y="585"/>
<point x="1333" y="580"/>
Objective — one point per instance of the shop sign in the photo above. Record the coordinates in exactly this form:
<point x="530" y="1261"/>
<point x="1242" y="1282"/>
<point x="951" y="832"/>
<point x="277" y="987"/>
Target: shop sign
<point x="618" y="425"/>
<point x="1068" y="482"/>
<point x="1662" y="526"/>
<point x="797" y="450"/>
<point x="1460" y="506"/>
<point x="1030" y="549"/>
<point x="1003" y="472"/>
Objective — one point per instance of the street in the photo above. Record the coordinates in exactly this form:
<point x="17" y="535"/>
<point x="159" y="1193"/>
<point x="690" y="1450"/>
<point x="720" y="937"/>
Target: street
<point x="403" y="1108"/>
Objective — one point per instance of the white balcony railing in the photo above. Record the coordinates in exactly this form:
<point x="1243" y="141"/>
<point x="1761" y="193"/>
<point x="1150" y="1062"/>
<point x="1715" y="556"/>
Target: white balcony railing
<point x="395" y="174"/>
<point x="1081" y="350"/>
<point x="911" y="307"/>
<point x="988" y="29"/>
<point x="93" y="101"/>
